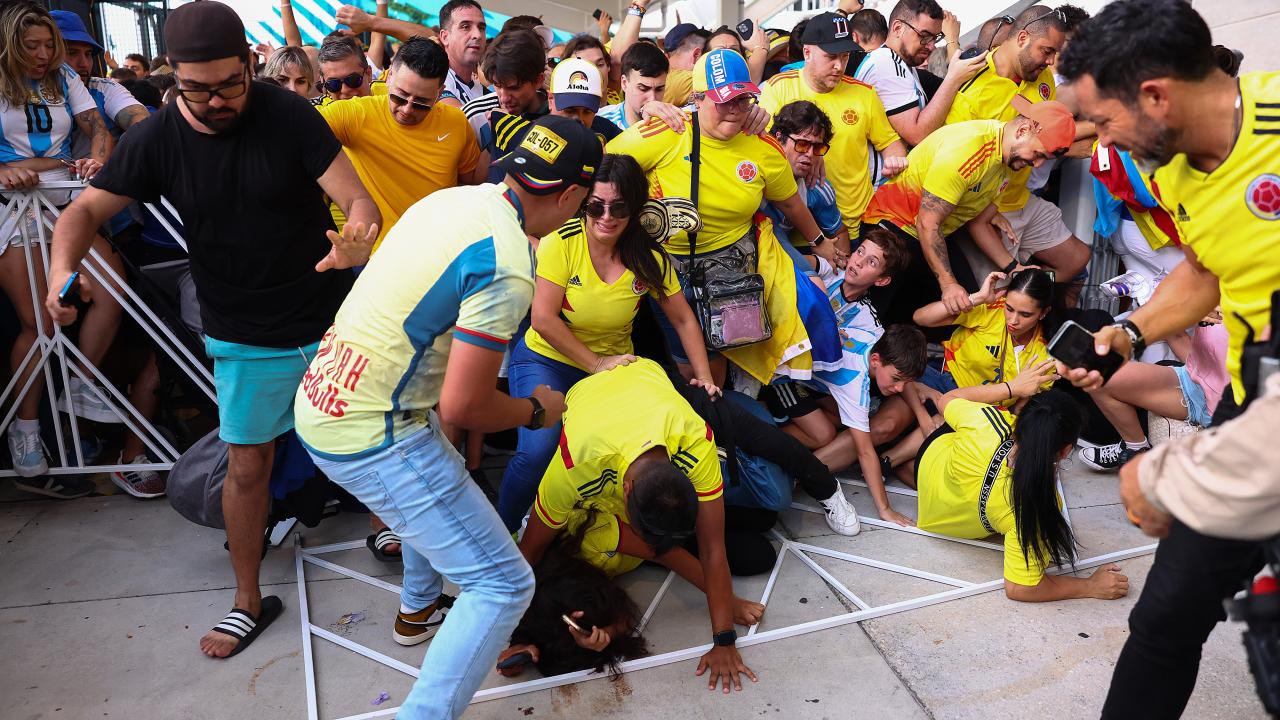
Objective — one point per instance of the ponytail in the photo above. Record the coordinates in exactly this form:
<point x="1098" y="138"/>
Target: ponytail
<point x="1050" y="422"/>
<point x="638" y="252"/>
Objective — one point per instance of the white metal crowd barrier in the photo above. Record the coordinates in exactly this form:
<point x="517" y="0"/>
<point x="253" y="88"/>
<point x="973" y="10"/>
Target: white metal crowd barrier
<point x="53" y="353"/>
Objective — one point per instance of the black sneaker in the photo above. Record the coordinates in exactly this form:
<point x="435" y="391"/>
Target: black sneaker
<point x="1109" y="458"/>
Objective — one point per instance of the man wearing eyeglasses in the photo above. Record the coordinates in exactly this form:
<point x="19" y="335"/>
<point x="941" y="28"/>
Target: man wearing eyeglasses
<point x="854" y="109"/>
<point x="405" y="145"/>
<point x="915" y="29"/>
<point x="804" y="132"/>
<point x="1023" y="225"/>
<point x="246" y="165"/>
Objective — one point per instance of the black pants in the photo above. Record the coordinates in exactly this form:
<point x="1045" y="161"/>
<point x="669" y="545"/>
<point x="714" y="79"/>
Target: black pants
<point x="734" y="425"/>
<point x="1179" y="606"/>
<point x="916" y="286"/>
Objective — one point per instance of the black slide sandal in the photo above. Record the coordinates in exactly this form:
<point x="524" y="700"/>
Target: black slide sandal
<point x="240" y="624"/>
<point x="377" y="545"/>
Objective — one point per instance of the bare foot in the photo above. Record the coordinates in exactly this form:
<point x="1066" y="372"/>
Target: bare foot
<point x="219" y="644"/>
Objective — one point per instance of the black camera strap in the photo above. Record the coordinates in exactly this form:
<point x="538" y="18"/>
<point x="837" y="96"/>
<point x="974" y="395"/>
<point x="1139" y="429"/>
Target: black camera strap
<point x="693" y="182"/>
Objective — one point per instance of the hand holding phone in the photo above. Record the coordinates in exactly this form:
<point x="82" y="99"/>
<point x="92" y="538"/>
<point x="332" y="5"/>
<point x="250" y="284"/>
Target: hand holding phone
<point x="596" y="15"/>
<point x="972" y="52"/>
<point x="70" y="292"/>
<point x="1073" y="346"/>
<point x="745" y="29"/>
<point x="569" y="621"/>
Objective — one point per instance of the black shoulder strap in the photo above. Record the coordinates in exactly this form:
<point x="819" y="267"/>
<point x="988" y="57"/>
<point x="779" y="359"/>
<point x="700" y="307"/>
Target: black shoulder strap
<point x="693" y="178"/>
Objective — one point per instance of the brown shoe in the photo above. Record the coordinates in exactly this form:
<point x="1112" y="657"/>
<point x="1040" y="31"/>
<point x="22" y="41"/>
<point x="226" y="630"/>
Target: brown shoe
<point x="418" y="627"/>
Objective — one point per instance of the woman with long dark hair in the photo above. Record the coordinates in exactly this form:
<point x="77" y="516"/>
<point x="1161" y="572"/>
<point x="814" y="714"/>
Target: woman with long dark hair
<point x="989" y="472"/>
<point x="592" y="275"/>
<point x="999" y="336"/>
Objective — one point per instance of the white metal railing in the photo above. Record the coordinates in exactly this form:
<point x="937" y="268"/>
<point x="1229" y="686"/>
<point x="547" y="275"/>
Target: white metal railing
<point x="51" y="343"/>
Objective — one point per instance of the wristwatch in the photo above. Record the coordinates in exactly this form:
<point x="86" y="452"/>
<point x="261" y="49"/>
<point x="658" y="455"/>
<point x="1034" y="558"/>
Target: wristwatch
<point x="1137" y="343"/>
<point x="817" y="242"/>
<point x="539" y="414"/>
<point x="728" y="638"/>
<point x="1009" y="268"/>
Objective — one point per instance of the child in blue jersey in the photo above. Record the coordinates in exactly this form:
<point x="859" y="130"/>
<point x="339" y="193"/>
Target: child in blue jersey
<point x="873" y="360"/>
<point x="41" y="100"/>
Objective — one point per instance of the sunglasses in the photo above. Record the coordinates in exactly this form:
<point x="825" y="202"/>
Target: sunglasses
<point x="415" y="104"/>
<point x="353" y="81"/>
<point x="804" y="146"/>
<point x="925" y="38"/>
<point x="597" y="208"/>
<point x="1061" y="16"/>
<point x="741" y="103"/>
<point x="226" y="92"/>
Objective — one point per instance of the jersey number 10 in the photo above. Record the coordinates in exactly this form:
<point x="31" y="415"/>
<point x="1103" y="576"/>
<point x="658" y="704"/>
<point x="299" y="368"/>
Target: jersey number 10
<point x="39" y="119"/>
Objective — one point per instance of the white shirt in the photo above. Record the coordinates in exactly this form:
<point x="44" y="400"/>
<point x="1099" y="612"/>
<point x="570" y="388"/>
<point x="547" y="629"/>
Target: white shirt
<point x="461" y="90"/>
<point x="897" y="83"/>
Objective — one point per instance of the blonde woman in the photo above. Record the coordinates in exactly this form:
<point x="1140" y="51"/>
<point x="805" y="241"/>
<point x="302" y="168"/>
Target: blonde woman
<point x="291" y="67"/>
<point x="41" y="101"/>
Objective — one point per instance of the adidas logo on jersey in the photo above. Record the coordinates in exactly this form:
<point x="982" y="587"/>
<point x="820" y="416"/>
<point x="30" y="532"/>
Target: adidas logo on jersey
<point x="994" y="350"/>
<point x="574" y="281"/>
<point x="1182" y="214"/>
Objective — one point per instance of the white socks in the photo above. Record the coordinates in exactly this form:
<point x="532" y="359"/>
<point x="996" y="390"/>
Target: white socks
<point x="1138" y="445"/>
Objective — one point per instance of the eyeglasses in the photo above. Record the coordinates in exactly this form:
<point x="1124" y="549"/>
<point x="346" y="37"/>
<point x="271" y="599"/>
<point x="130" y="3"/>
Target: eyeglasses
<point x="804" y="146"/>
<point x="353" y="81"/>
<point x="597" y="208"/>
<point x="925" y="38"/>
<point x="742" y="103"/>
<point x="415" y="104"/>
<point x="226" y="92"/>
<point x="1061" y="16"/>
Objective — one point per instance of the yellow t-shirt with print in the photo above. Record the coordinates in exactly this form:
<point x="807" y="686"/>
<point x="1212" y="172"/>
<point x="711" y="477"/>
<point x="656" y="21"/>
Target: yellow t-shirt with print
<point x="986" y="97"/>
<point x="401" y="164"/>
<point x="597" y="313"/>
<point x="960" y="163"/>
<point x="981" y="351"/>
<point x="857" y="115"/>
<point x="612" y="418"/>
<point x="1231" y="216"/>
<point x="952" y="473"/>
<point x="735" y="176"/>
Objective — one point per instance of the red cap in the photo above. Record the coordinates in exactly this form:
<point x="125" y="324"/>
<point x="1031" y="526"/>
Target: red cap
<point x="1057" y="126"/>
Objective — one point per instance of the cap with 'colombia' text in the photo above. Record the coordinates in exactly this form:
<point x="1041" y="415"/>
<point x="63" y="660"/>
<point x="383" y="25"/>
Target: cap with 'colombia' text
<point x="723" y="75"/>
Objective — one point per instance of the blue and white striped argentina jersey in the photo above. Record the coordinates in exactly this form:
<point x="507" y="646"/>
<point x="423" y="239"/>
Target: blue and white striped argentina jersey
<point x="42" y="126"/>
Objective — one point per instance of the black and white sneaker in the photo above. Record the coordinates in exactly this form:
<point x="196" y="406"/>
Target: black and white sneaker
<point x="1109" y="458"/>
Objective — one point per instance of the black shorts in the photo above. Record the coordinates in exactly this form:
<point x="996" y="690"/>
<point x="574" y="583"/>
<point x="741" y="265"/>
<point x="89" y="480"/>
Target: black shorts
<point x="788" y="400"/>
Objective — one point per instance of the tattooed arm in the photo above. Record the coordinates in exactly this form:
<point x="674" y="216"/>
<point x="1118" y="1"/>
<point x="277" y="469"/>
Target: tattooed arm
<point x="91" y="124"/>
<point x="933" y="210"/>
<point x="126" y="118"/>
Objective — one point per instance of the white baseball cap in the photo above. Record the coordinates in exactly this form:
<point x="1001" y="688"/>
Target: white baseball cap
<point x="576" y="83"/>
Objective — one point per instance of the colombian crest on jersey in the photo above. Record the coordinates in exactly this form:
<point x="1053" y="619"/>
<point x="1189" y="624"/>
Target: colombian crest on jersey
<point x="747" y="171"/>
<point x="1263" y="197"/>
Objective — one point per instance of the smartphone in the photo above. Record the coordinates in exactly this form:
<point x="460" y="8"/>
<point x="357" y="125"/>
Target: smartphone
<point x="972" y="52"/>
<point x="70" y="292"/>
<point x="596" y="15"/>
<point x="516" y="660"/>
<point x="745" y="29"/>
<point x="569" y="621"/>
<point x="1053" y="276"/>
<point x="1073" y="346"/>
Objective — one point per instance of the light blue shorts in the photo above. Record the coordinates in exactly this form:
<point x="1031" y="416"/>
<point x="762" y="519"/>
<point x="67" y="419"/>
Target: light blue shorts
<point x="255" y="387"/>
<point x="1193" y="398"/>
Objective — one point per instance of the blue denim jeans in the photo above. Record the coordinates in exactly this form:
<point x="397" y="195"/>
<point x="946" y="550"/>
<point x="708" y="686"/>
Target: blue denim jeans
<point x="534" y="448"/>
<point x="420" y="488"/>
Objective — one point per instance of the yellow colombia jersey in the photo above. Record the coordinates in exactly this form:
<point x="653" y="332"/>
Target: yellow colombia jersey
<point x="679" y="87"/>
<point x="1231" y="216"/>
<point x="961" y="164"/>
<point x="951" y="476"/>
<point x="857" y="115"/>
<point x="380" y="366"/>
<point x="612" y="418"/>
<point x="986" y="97"/>
<point x="981" y="351"/>
<point x="736" y="175"/>
<point x="600" y="542"/>
<point x="401" y="164"/>
<point x="598" y="313"/>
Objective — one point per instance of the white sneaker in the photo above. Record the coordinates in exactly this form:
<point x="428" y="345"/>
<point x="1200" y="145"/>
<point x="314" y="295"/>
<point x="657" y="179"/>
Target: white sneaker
<point x="841" y="517"/>
<point x="27" y="451"/>
<point x="86" y="402"/>
<point x="139" y="483"/>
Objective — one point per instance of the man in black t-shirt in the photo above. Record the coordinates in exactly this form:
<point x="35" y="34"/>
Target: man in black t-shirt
<point x="246" y="165"/>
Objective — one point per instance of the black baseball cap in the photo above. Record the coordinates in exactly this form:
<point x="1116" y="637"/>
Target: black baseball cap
<point x="829" y="31"/>
<point x="555" y="152"/>
<point x="677" y="34"/>
<point x="203" y="31"/>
